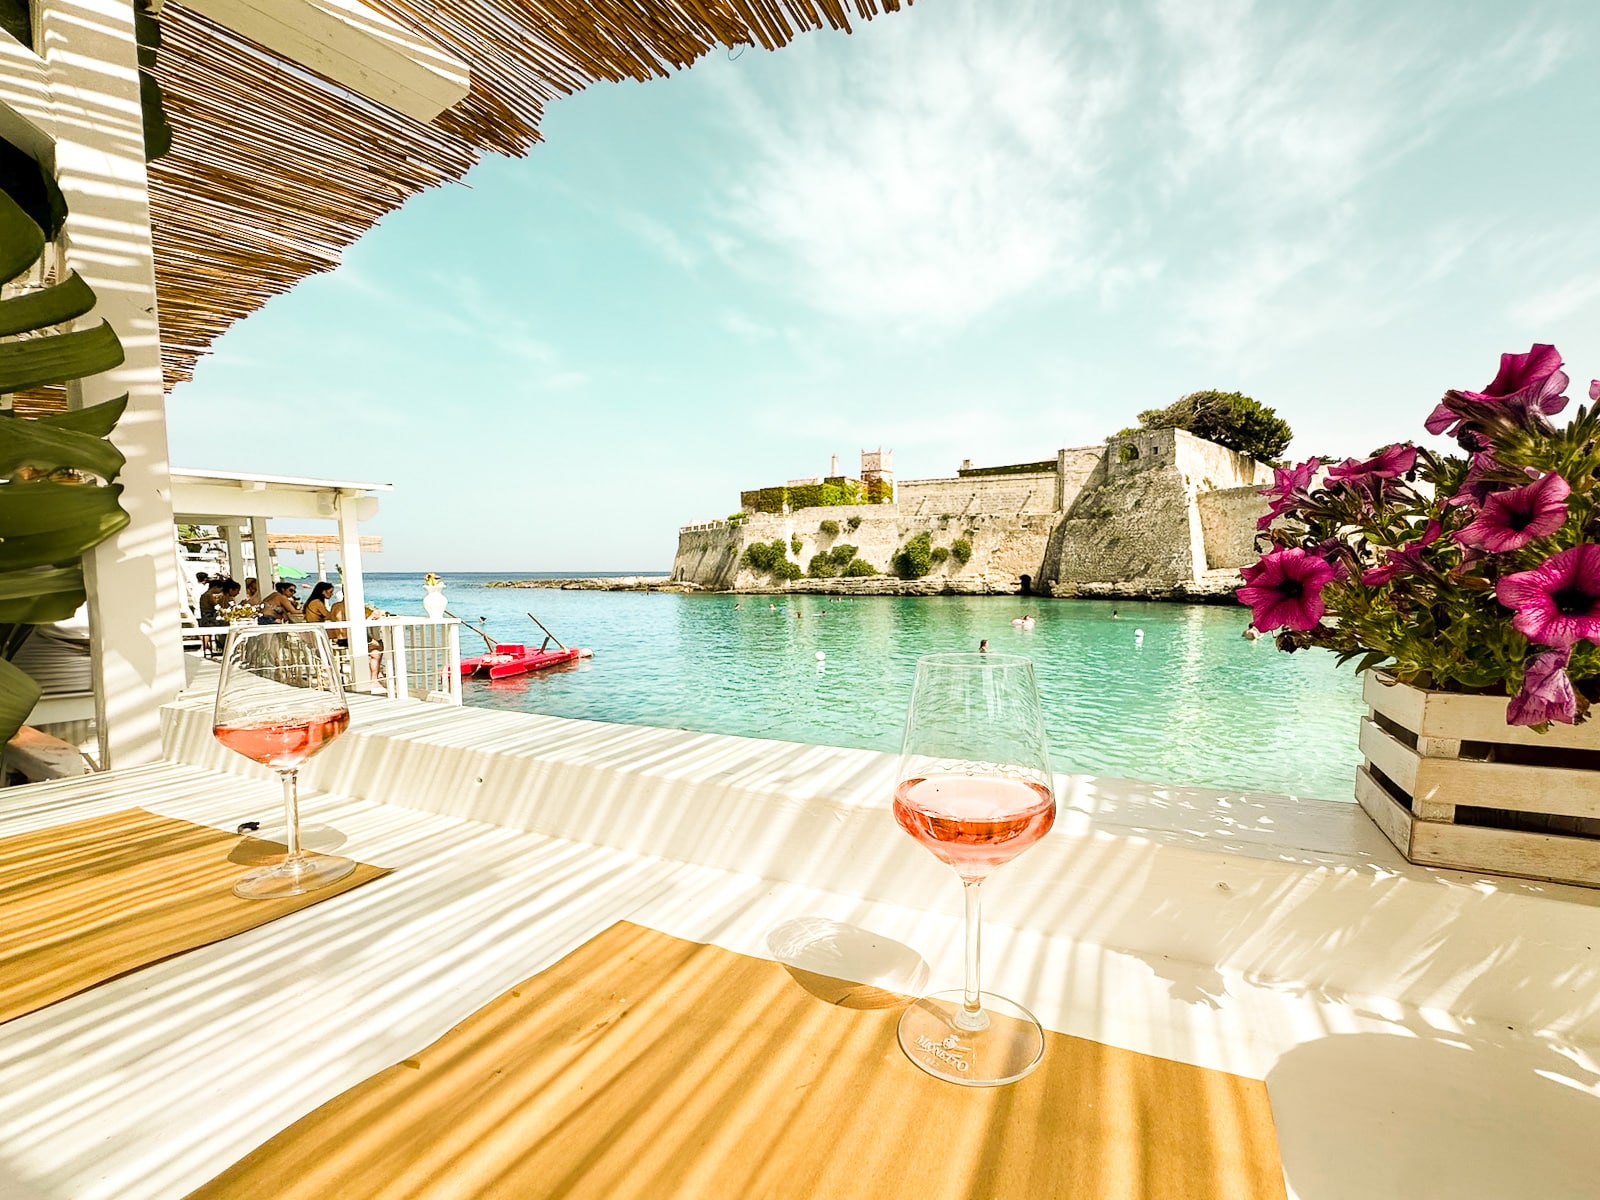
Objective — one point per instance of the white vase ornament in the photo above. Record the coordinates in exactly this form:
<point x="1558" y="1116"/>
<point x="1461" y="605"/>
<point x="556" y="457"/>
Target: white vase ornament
<point x="433" y="601"/>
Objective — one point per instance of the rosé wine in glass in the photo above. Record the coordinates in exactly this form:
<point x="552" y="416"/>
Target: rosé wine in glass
<point x="974" y="822"/>
<point x="280" y="700"/>
<point x="976" y="791"/>
<point x="283" y="744"/>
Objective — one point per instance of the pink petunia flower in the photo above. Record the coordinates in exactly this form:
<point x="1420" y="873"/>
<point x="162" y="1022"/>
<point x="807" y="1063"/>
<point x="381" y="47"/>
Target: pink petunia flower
<point x="1477" y="487"/>
<point x="1528" y="384"/>
<point x="1558" y="602"/>
<point x="1288" y="489"/>
<point x="1509" y="520"/>
<point x="1407" y="558"/>
<point x="1389" y="463"/>
<point x="1546" y="693"/>
<point x="1284" y="590"/>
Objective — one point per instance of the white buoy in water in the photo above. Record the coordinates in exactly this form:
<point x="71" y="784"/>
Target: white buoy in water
<point x="821" y="654"/>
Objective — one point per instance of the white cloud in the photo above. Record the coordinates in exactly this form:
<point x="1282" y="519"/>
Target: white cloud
<point x="943" y="169"/>
<point x="742" y="325"/>
<point x="660" y="237"/>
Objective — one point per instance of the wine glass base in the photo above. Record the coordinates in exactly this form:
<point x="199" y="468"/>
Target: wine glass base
<point x="293" y="876"/>
<point x="1010" y="1044"/>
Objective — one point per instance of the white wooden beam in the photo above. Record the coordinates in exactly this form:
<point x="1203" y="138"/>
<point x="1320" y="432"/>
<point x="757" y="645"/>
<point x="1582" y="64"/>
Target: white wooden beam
<point x="210" y="504"/>
<point x="134" y="592"/>
<point x="355" y="595"/>
<point x="351" y="44"/>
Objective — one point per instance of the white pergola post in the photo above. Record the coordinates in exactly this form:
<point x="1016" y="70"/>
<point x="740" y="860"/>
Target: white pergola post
<point x="263" y="554"/>
<point x="134" y="592"/>
<point x="322" y="570"/>
<point x="235" y="552"/>
<point x="355" y="599"/>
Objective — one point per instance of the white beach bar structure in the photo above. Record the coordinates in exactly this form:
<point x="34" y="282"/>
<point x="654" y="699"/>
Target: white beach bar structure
<point x="237" y="503"/>
<point x="1422" y="1033"/>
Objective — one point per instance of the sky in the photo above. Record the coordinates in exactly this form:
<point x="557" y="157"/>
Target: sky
<point x="967" y="230"/>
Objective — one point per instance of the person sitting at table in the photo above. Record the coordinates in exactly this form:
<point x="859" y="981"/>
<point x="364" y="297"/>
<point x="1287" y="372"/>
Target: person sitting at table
<point x="280" y="606"/>
<point x="316" y="610"/>
<point x="210" y="599"/>
<point x="252" y="592"/>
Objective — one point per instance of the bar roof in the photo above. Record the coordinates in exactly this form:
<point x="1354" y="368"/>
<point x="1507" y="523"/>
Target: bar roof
<point x="274" y="169"/>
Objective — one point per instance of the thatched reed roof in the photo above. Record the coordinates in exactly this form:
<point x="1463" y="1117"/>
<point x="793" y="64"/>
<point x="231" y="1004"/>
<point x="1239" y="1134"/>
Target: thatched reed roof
<point x="274" y="170"/>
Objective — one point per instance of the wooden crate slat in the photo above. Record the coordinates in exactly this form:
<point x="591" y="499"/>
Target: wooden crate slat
<point x="1387" y="813"/>
<point x="1390" y="755"/>
<point x="1468" y="718"/>
<point x="1558" y="791"/>
<point x="1506" y="852"/>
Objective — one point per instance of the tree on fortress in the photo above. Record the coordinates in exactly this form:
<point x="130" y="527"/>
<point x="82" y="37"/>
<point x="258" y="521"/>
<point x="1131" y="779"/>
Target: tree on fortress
<point x="1226" y="418"/>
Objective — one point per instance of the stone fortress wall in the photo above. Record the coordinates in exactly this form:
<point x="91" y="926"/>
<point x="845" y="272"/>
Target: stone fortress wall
<point x="1156" y="513"/>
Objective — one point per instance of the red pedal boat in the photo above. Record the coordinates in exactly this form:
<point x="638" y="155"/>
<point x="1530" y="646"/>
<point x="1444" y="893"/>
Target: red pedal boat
<point x="513" y="658"/>
<point x="506" y="659"/>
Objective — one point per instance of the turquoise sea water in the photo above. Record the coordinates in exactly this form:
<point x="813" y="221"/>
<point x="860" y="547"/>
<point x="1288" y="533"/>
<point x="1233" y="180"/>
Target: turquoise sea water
<point x="1189" y="702"/>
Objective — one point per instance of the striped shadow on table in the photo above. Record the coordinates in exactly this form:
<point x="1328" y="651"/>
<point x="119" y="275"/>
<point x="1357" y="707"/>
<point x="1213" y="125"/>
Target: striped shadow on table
<point x="86" y="902"/>
<point x="641" y="1066"/>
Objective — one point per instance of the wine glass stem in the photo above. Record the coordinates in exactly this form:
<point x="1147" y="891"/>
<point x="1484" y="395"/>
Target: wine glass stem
<point x="291" y="810"/>
<point x="972" y="1015"/>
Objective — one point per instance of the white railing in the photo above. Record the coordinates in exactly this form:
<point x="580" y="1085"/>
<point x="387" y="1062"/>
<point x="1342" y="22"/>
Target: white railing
<point x="414" y="657"/>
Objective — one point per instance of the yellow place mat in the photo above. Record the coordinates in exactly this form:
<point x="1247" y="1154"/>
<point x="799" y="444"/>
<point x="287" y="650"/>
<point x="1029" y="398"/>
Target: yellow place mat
<point x="86" y="902"/>
<point x="642" y="1067"/>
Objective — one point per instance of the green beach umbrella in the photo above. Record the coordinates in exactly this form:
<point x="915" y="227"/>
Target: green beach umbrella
<point x="291" y="573"/>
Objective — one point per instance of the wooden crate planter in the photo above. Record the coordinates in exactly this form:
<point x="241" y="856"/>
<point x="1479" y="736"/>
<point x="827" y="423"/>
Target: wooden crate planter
<point x="1452" y="785"/>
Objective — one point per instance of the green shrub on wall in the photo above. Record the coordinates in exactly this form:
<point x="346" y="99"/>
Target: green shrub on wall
<point x="915" y="558"/>
<point x="961" y="551"/>
<point x="939" y="554"/>
<point x="829" y="528"/>
<point x="859" y="568"/>
<point x="853" y="524"/>
<point x="795" y="543"/>
<point x="771" y="558"/>
<point x="821" y="567"/>
<point x="764" y="556"/>
<point x="841" y="555"/>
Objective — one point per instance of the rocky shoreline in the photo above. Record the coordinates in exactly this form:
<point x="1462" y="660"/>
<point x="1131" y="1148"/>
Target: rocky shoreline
<point x="1207" y="591"/>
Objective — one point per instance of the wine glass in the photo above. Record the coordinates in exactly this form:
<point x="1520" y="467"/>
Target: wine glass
<point x="975" y="789"/>
<point x="279" y="702"/>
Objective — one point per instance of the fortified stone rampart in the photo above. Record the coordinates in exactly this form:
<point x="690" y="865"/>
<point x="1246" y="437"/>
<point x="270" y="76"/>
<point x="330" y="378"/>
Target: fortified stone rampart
<point x="1159" y="513"/>
<point x="1141" y="527"/>
<point x="1228" y="523"/>
<point x="1004" y="548"/>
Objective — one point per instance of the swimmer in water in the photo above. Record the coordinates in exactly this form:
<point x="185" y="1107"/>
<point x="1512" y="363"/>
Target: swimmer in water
<point x="983" y="646"/>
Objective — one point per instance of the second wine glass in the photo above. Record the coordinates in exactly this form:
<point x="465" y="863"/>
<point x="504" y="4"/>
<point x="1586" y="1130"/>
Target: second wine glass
<point x="279" y="702"/>
<point x="974" y="788"/>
